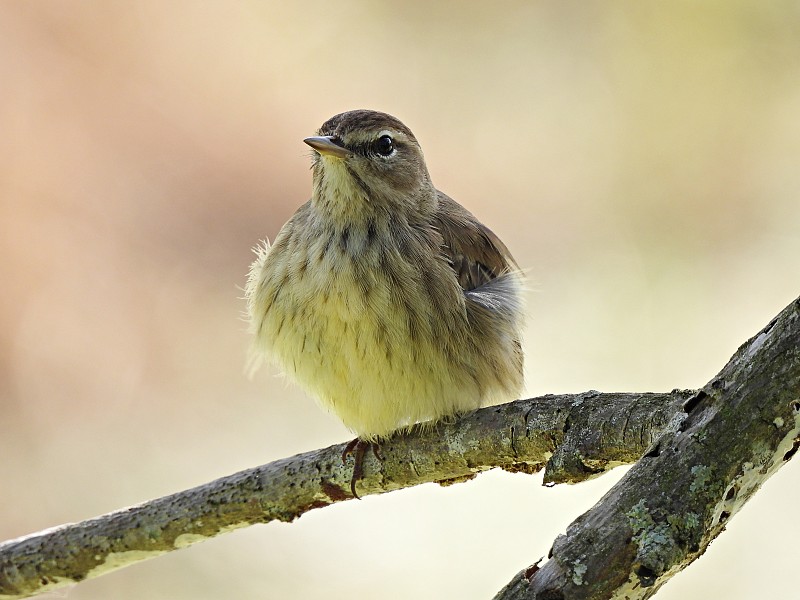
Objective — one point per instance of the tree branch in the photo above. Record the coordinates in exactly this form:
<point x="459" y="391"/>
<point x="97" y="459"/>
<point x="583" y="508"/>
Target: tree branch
<point x="582" y="435"/>
<point x="729" y="438"/>
<point x="574" y="437"/>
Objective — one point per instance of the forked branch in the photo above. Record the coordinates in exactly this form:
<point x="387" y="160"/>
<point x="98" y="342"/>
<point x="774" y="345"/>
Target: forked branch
<point x="726" y="441"/>
<point x="706" y="452"/>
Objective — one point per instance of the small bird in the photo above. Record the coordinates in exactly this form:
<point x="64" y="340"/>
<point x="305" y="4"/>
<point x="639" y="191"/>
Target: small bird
<point x="382" y="296"/>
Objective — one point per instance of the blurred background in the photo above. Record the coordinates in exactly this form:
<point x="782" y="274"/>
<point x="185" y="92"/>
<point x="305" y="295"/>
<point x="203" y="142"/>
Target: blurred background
<point x="640" y="159"/>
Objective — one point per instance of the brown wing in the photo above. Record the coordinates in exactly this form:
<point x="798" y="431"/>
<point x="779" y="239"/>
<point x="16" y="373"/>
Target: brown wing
<point x="476" y="253"/>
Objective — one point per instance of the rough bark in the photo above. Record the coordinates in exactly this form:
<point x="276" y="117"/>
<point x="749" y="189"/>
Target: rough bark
<point x="726" y="441"/>
<point x="707" y="452"/>
<point x="574" y="436"/>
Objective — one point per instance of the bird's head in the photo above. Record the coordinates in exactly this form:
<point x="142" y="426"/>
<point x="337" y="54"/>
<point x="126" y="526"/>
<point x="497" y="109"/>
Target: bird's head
<point x="366" y="160"/>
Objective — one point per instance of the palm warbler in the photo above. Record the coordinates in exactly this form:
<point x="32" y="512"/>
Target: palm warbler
<point x="382" y="296"/>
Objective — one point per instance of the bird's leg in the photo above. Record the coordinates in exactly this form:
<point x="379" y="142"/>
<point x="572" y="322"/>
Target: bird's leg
<point x="358" y="448"/>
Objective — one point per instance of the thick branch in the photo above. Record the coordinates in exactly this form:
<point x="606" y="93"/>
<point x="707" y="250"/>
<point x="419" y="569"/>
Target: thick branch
<point x="728" y="439"/>
<point x="573" y="436"/>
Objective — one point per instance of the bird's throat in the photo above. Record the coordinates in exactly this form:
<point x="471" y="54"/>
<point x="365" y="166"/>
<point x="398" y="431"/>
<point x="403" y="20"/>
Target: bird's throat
<point x="338" y="192"/>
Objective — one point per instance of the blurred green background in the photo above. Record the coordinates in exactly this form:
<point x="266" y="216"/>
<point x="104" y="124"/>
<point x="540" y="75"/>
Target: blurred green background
<point x="641" y="159"/>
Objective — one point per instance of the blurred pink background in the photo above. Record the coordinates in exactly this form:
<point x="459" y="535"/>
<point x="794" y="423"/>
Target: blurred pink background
<point x="640" y="159"/>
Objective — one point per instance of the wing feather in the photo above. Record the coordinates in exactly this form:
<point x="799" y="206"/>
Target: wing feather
<point x="477" y="255"/>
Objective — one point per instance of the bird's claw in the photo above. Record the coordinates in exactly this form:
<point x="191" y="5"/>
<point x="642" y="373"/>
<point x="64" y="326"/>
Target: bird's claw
<point x="358" y="448"/>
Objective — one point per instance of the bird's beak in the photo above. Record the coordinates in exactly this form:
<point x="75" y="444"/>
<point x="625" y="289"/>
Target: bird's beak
<point x="325" y="144"/>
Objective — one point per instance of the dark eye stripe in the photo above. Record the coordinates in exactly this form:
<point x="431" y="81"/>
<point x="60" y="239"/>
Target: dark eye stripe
<point x="368" y="148"/>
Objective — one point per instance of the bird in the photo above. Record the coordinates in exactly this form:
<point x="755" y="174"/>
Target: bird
<point x="382" y="297"/>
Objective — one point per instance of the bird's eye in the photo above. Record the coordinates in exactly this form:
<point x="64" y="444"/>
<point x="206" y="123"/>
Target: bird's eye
<point x="384" y="145"/>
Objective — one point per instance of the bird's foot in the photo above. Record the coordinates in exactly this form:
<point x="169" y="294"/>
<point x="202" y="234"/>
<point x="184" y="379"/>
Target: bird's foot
<point x="358" y="448"/>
